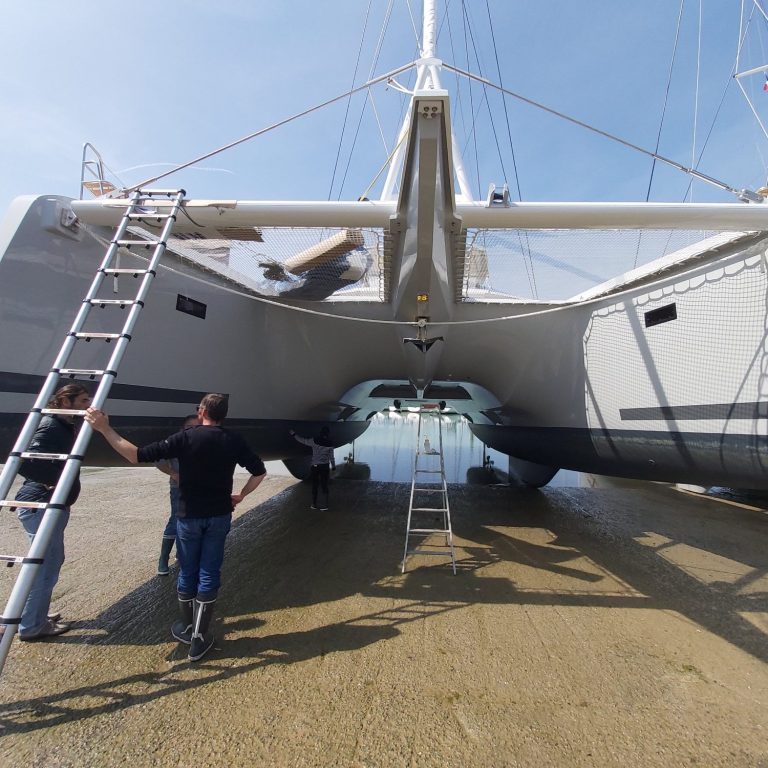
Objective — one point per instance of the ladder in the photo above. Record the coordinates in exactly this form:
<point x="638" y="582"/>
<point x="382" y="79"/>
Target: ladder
<point x="429" y="490"/>
<point x="158" y="205"/>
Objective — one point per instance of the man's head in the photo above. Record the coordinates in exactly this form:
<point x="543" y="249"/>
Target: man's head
<point x="325" y="432"/>
<point x="213" y="406"/>
<point x="190" y="421"/>
<point x="73" y="396"/>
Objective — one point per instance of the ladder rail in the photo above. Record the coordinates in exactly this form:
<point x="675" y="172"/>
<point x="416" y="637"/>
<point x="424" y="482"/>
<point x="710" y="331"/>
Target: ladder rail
<point x="446" y="530"/>
<point x="55" y="507"/>
<point x="413" y="488"/>
<point x="13" y="463"/>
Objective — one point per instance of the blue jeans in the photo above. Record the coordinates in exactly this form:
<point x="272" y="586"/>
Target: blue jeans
<point x="35" y="614"/>
<point x="170" y="526"/>
<point x="200" y="547"/>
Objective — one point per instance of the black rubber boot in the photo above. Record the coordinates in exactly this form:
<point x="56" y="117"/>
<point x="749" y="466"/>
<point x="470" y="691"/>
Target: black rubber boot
<point x="165" y="552"/>
<point x="182" y="628"/>
<point x="202" y="637"/>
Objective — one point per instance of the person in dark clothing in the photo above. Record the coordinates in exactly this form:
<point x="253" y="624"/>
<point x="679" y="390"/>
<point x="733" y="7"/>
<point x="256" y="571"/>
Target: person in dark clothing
<point x="171" y="468"/>
<point x="56" y="433"/>
<point x="207" y="457"/>
<point x="322" y="462"/>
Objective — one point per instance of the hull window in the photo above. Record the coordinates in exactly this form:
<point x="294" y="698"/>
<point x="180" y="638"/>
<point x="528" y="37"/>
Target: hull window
<point x="661" y="315"/>
<point x="190" y="306"/>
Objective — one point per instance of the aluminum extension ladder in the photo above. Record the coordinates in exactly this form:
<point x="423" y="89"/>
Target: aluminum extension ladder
<point x="428" y="484"/>
<point x="151" y="206"/>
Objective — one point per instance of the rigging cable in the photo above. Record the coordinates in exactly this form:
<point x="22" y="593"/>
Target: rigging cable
<point x="413" y="24"/>
<point x="525" y="247"/>
<point x="696" y="100"/>
<point x="369" y="97"/>
<point x="661" y="126"/>
<point x="737" y="77"/>
<point x="278" y="124"/>
<point x="666" y="100"/>
<point x="488" y="104"/>
<point x="701" y="176"/>
<point x="349" y="100"/>
<point x="504" y="102"/>
<point x="465" y="20"/>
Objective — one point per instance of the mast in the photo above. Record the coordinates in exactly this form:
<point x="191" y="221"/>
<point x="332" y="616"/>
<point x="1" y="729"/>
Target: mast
<point x="427" y="78"/>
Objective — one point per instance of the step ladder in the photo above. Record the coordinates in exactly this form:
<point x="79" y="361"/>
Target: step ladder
<point x="150" y="205"/>
<point x="429" y="491"/>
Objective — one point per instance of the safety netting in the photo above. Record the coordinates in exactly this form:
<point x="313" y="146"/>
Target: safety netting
<point x="491" y="265"/>
<point x="316" y="264"/>
<point x="556" y="265"/>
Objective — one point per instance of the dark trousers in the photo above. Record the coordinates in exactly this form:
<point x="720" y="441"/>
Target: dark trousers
<point x="320" y="473"/>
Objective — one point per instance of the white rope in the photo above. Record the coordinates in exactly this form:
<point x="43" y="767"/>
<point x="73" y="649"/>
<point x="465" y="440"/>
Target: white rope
<point x="413" y="24"/>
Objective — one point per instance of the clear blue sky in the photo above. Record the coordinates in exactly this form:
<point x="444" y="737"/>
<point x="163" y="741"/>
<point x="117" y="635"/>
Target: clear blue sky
<point x="164" y="82"/>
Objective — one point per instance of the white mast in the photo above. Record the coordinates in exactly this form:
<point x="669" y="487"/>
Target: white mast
<point x="427" y="78"/>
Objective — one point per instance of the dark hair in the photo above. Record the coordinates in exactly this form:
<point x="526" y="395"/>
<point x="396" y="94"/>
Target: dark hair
<point x="324" y="437"/>
<point x="216" y="405"/>
<point x="187" y="419"/>
<point x="67" y="392"/>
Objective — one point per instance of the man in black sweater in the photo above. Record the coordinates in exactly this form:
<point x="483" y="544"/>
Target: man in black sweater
<point x="207" y="456"/>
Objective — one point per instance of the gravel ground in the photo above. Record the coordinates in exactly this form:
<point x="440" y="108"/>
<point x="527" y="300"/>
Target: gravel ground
<point x="585" y="627"/>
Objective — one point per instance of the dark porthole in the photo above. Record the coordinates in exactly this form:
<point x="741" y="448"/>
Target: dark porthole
<point x="661" y="315"/>
<point x="190" y="306"/>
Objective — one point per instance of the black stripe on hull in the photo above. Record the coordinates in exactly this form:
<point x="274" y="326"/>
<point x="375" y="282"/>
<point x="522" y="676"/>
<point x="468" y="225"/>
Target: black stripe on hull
<point x="737" y="461"/>
<point x="269" y="438"/>
<point x="31" y="384"/>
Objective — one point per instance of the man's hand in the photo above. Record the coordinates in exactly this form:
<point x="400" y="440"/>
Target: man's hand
<point x="251" y="484"/>
<point x="100" y="423"/>
<point x="97" y="419"/>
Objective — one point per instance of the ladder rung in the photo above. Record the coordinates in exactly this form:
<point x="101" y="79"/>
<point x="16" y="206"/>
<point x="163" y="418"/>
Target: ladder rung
<point x="149" y="215"/>
<point x="12" y="559"/>
<point x="85" y="335"/>
<point x="45" y="456"/>
<point x="429" y="471"/>
<point x="430" y="552"/>
<point x="63" y="411"/>
<point x="145" y="243"/>
<point x="80" y="372"/>
<point x="429" y="509"/>
<point x="430" y="490"/>
<point x="29" y="504"/>
<point x="151" y="192"/>
<point x="428" y="530"/>
<point x="115" y="302"/>
<point x="123" y="271"/>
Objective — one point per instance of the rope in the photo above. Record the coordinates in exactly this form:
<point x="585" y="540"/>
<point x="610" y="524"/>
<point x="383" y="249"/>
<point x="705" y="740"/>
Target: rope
<point x="471" y="98"/>
<point x="278" y="124"/>
<point x="598" y="131"/>
<point x="369" y="97"/>
<point x="666" y="100"/>
<point x="696" y="101"/>
<point x="383" y="167"/>
<point x="349" y="102"/>
<point x="525" y="246"/>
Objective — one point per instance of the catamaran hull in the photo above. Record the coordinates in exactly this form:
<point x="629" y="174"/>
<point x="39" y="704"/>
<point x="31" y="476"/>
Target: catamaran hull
<point x="623" y="385"/>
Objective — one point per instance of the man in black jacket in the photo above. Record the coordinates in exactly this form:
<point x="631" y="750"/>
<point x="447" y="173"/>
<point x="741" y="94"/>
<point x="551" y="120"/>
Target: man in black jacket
<point x="207" y="456"/>
<point x="55" y="434"/>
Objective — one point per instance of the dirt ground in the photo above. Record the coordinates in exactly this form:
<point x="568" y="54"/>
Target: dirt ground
<point x="585" y="627"/>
